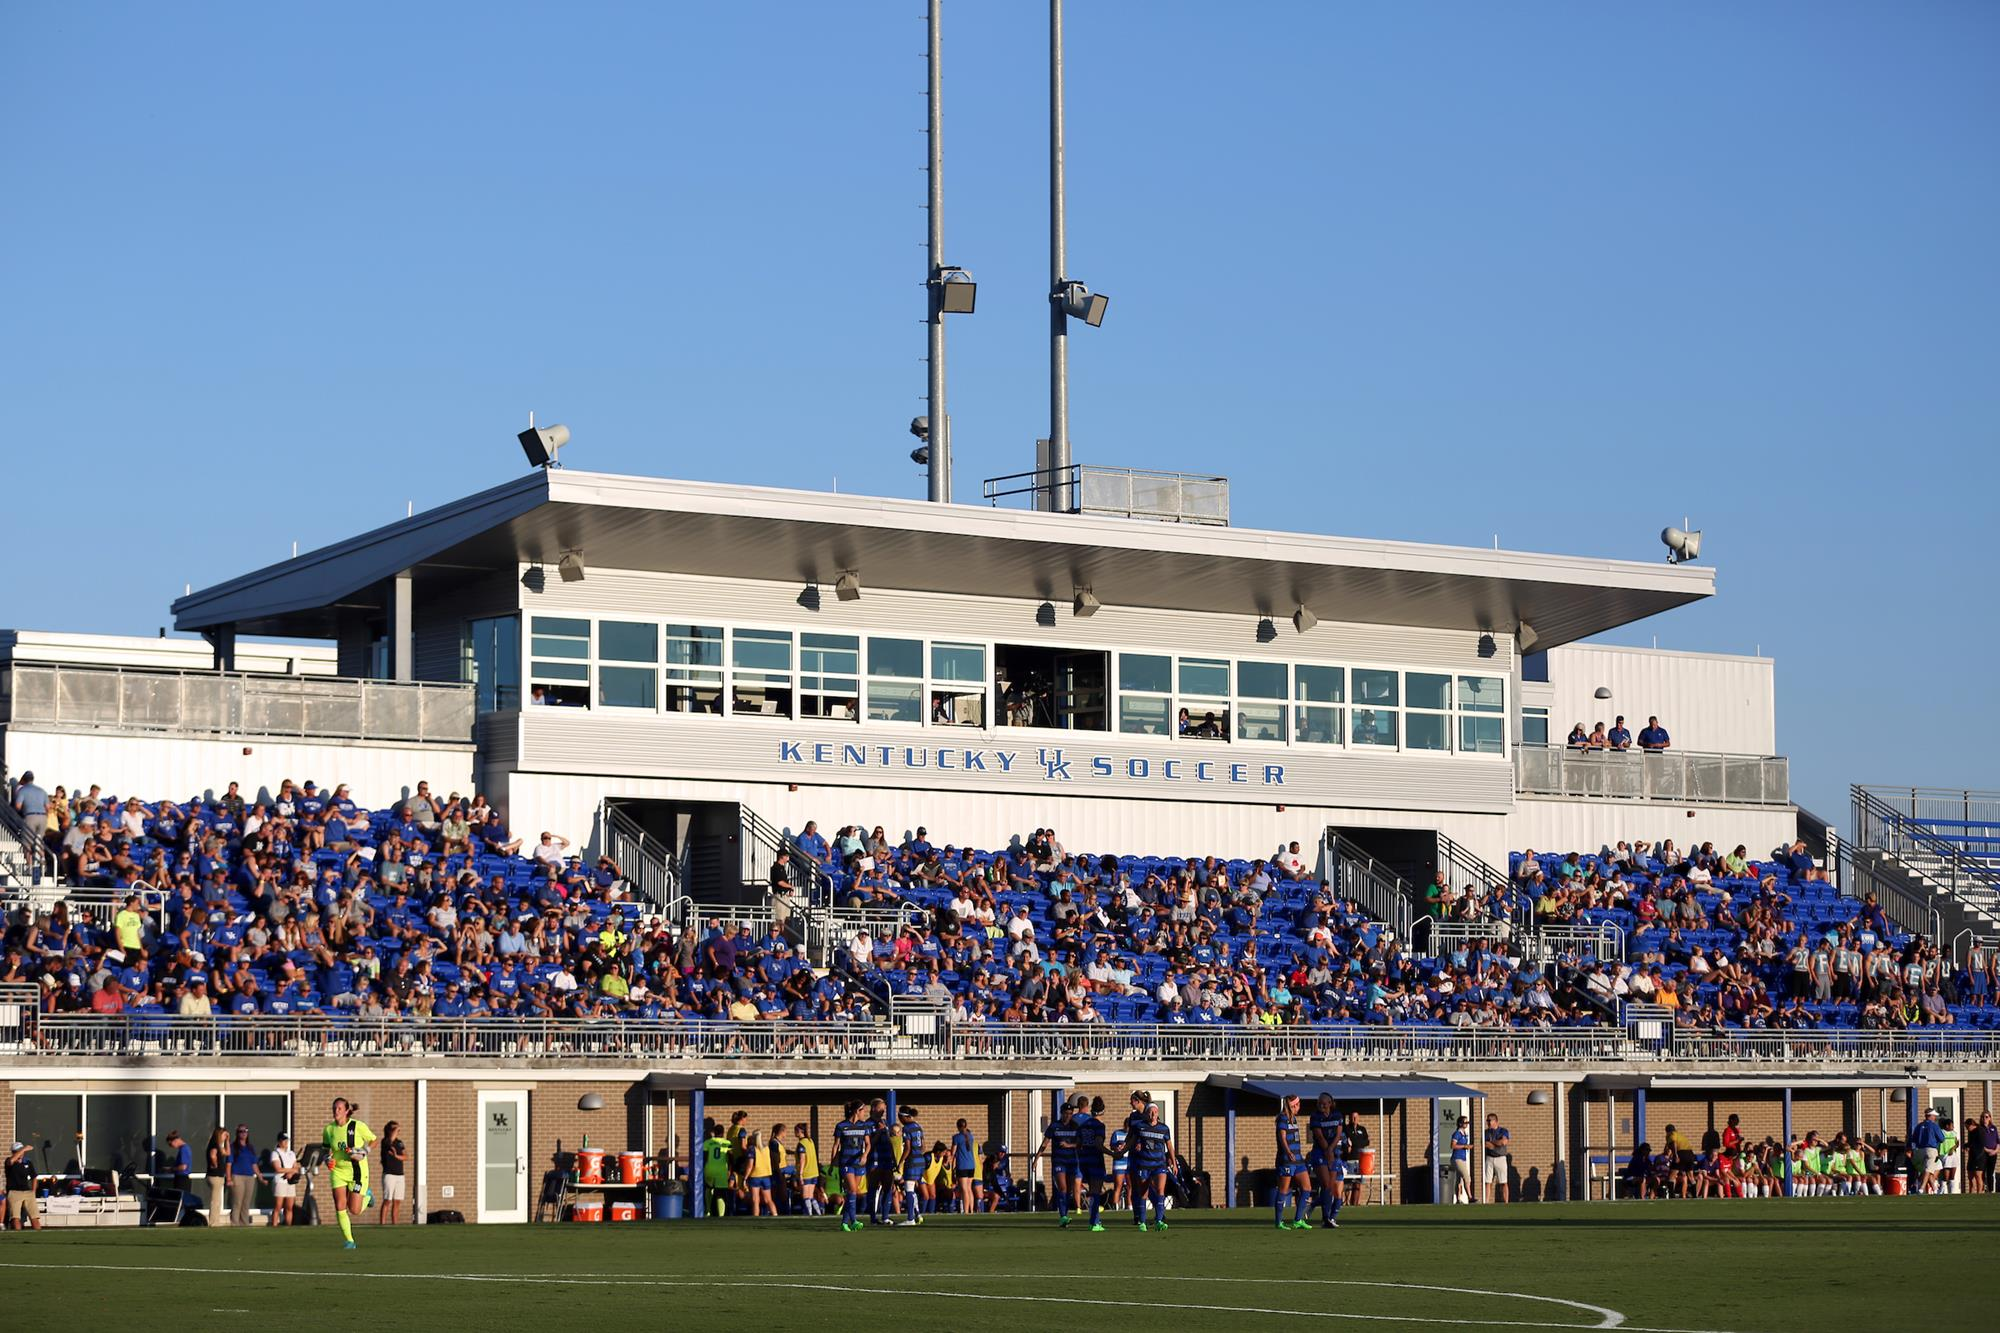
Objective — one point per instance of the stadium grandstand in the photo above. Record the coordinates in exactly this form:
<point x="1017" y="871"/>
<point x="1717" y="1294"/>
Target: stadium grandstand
<point x="589" y="808"/>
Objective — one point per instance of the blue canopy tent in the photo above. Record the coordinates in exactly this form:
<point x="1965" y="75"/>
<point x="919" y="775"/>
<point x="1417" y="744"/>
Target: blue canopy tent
<point x="1381" y="1091"/>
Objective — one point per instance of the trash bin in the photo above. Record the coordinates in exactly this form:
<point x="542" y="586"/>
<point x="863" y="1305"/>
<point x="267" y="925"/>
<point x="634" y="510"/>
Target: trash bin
<point x="668" y="1205"/>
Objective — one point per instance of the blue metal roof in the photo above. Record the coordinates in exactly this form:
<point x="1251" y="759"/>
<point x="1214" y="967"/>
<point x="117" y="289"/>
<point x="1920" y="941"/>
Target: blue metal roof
<point x="1352" y="1089"/>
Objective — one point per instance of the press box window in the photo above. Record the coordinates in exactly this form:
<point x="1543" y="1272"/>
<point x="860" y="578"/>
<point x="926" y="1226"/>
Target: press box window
<point x="1318" y="690"/>
<point x="1145" y="693"/>
<point x="830" y="676"/>
<point x="628" y="656"/>
<point x="895" y="680"/>
<point x="1204" y="698"/>
<point x="559" y="661"/>
<point x="694" y="669"/>
<point x="1261" y="688"/>
<point x="1482" y="714"/>
<point x="760" y="683"/>
<point x="1426" y="716"/>
<point x="1376" y="696"/>
<point x="958" y="684"/>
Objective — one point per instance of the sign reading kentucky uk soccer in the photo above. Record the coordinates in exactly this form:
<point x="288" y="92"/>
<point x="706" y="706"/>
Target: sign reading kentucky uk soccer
<point x="1045" y="763"/>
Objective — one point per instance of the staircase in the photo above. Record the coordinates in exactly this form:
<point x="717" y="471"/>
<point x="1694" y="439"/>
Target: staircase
<point x="1893" y="852"/>
<point x="24" y="860"/>
<point x="1355" y="874"/>
<point x="650" y="868"/>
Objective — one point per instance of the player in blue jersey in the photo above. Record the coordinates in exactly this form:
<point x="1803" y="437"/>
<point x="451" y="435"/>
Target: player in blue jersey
<point x="916" y="1161"/>
<point x="1152" y="1148"/>
<point x="1329" y="1150"/>
<point x="1135" y="1188"/>
<point x="853" y="1139"/>
<point x="1059" y="1144"/>
<point x="881" y="1163"/>
<point x="1090" y="1158"/>
<point x="1294" y="1177"/>
<point x="965" y="1167"/>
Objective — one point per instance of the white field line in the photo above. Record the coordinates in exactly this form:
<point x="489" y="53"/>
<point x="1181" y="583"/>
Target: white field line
<point x="1612" y="1318"/>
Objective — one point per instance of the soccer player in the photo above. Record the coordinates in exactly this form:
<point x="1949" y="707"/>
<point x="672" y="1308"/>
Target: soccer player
<point x="347" y="1141"/>
<point x="1135" y="1121"/>
<point x="757" y="1168"/>
<point x="881" y="1162"/>
<point x="805" y="1165"/>
<point x="1090" y="1157"/>
<point x="853" y="1144"/>
<point x="1294" y="1177"/>
<point x="916" y="1160"/>
<point x="965" y="1164"/>
<point x="1152" y="1148"/>
<point x="1059" y="1143"/>
<point x="1329" y="1150"/>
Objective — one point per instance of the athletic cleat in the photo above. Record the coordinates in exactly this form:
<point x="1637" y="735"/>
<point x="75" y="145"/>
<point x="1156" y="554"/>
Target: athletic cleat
<point x="1301" y="1224"/>
<point x="1329" y="1226"/>
<point x="1097" y="1226"/>
<point x="1062" y="1222"/>
<point x="1160" y="1225"/>
<point x="347" y="1245"/>
<point x="1142" y="1226"/>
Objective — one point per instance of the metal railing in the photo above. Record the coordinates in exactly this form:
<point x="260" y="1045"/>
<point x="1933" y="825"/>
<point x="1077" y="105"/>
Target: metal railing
<point x="26" y="1034"/>
<point x="1549" y="943"/>
<point x="102" y="904"/>
<point x="762" y="841"/>
<point x="649" y="867"/>
<point x="1943" y="864"/>
<point x="1434" y="938"/>
<point x="230" y="703"/>
<point x="1682" y="776"/>
<point x="23" y="856"/>
<point x="1940" y="807"/>
<point x="1119" y="492"/>
<point x="1356" y="874"/>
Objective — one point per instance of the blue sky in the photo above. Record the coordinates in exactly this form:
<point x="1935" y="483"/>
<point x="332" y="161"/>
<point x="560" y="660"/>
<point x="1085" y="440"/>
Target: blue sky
<point x="1562" y="272"/>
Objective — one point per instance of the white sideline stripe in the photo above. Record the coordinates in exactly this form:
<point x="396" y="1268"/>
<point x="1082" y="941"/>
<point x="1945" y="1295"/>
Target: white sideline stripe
<point x="580" y="1281"/>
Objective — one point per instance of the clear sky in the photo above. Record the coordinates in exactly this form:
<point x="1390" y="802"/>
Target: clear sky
<point x="1560" y="272"/>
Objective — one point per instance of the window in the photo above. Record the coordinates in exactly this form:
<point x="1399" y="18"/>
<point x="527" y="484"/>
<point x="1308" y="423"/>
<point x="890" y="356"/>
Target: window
<point x="493" y="662"/>
<point x="1145" y="693"/>
<point x="694" y="669"/>
<point x="1376" y="695"/>
<point x="50" y="1124"/>
<point x="1482" y="715"/>
<point x="1427" y="717"/>
<point x="559" y="660"/>
<point x="958" y="684"/>
<point x="760" y="683"/>
<point x="1534" y="726"/>
<point x="625" y="641"/>
<point x="895" y="680"/>
<point x="1204" y="698"/>
<point x="1257" y="683"/>
<point x="830" y="676"/>
<point x="1319" y="690"/>
<point x="116" y="1130"/>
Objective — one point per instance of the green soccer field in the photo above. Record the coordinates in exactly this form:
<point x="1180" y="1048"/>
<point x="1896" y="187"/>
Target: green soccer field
<point x="1765" y="1266"/>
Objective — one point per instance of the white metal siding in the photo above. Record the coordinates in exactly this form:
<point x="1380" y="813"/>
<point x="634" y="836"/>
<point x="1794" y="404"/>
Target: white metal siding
<point x="1586" y="826"/>
<point x="1706" y="702"/>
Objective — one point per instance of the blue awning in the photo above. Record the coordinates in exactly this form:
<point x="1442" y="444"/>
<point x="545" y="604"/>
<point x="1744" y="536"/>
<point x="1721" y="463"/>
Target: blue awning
<point x="1347" y="1089"/>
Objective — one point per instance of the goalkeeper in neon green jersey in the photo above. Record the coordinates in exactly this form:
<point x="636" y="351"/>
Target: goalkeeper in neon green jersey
<point x="347" y="1141"/>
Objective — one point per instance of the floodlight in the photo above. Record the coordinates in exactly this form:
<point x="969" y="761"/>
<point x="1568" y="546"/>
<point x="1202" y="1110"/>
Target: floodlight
<point x="848" y="586"/>
<point x="1682" y="546"/>
<point x="570" y="567"/>
<point x="956" y="291"/>
<point x="921" y="455"/>
<point x="1086" y="603"/>
<point x="1079" y="302"/>
<point x="920" y="427"/>
<point x="540" y="443"/>
<point x="1303" y="619"/>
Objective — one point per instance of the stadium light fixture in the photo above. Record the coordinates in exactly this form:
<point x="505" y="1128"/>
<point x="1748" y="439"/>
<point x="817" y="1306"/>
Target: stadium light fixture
<point x="570" y="567"/>
<point x="541" y="443"/>
<point x="921" y="428"/>
<point x="1682" y="545"/>
<point x="1086" y="603"/>
<point x="1079" y="302"/>
<point x="1303" y="619"/>
<point x="848" y="586"/>
<point x="956" y="291"/>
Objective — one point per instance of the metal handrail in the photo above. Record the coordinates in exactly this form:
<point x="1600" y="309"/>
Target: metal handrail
<point x="1683" y="776"/>
<point x="1356" y="874"/>
<point x="649" y="867"/>
<point x="41" y="862"/>
<point x="1879" y="826"/>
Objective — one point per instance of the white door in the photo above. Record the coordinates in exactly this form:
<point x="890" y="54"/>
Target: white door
<point x="503" y="1157"/>
<point x="1946" y="1101"/>
<point x="1453" y="1112"/>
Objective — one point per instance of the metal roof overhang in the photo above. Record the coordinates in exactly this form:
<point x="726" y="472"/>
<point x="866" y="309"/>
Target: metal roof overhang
<point x="760" y="533"/>
<point x="1695" y="1082"/>
<point x="1345" y="1089"/>
<point x="814" y="1081"/>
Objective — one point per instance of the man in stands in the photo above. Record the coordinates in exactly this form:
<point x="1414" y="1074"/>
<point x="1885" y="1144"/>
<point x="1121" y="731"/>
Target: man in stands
<point x="1619" y="738"/>
<point x="1653" y="736"/>
<point x="32" y="804"/>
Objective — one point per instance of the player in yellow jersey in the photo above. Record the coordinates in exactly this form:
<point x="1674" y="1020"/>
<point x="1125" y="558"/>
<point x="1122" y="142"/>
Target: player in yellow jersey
<point x="347" y="1141"/>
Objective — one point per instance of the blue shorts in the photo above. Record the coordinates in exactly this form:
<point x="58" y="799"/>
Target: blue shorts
<point x="1067" y="1170"/>
<point x="1120" y="1167"/>
<point x="965" y="1168"/>
<point x="788" y="1171"/>
<point x="853" y="1168"/>
<point x="913" y="1175"/>
<point x="760" y="1182"/>
<point x="1092" y="1173"/>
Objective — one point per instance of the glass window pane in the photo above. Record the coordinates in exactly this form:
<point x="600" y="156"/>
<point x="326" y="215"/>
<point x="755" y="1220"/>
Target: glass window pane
<point x="694" y="645"/>
<point x="1427" y="690"/>
<point x="1318" y="725"/>
<point x="895" y="701"/>
<point x="1374" y="726"/>
<point x="958" y="708"/>
<point x="543" y="646"/>
<point x="1321" y="684"/>
<point x="1146" y="671"/>
<point x="1534" y="726"/>
<point x="628" y="641"/>
<point x="1482" y="735"/>
<point x="1143" y="715"/>
<point x="962" y="662"/>
<point x="754" y="700"/>
<point x="560" y="671"/>
<point x="195" y="1116"/>
<point x="1203" y="723"/>
<point x="1426" y="731"/>
<point x="762" y="649"/>
<point x="1260" y="722"/>
<point x="117" y="1127"/>
<point x="49" y="1123"/>
<point x="496" y="661"/>
<point x="569" y="629"/>
<point x="830" y="653"/>
<point x="1205" y="676"/>
<point x="1261" y="680"/>
<point x="628" y="687"/>
<point x="1374" y="687"/>
<point x="1482" y="694"/>
<point x="901" y="658"/>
